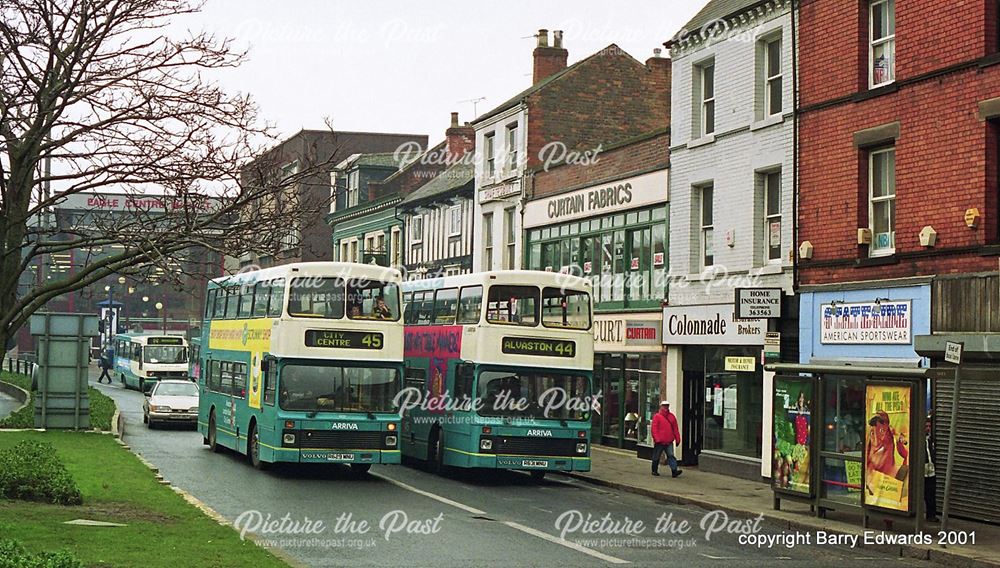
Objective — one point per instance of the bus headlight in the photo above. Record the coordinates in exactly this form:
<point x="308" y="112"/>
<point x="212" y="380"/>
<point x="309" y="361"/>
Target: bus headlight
<point x="288" y="439"/>
<point x="486" y="444"/>
<point x="581" y="448"/>
<point x="390" y="441"/>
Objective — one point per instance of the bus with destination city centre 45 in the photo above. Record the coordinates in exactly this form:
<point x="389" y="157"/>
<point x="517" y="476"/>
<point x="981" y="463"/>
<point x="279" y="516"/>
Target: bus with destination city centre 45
<point x="141" y="360"/>
<point x="301" y="363"/>
<point x="499" y="369"/>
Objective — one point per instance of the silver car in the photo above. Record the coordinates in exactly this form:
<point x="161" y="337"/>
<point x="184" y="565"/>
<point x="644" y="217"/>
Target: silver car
<point x="171" y="401"/>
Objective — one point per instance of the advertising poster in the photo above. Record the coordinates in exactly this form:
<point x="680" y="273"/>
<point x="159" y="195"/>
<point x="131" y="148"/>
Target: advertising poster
<point x="887" y="449"/>
<point x="793" y="402"/>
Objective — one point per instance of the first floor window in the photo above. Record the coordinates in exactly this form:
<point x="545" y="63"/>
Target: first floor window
<point x="417" y="229"/>
<point x="509" y="219"/>
<point x="397" y="251"/>
<point x="772" y="216"/>
<point x="488" y="241"/>
<point x="455" y="221"/>
<point x="882" y="201"/>
<point x="707" y="227"/>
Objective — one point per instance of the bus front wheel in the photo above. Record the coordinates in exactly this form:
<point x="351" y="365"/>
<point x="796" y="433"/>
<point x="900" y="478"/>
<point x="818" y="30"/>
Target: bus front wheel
<point x="537" y="475"/>
<point x="212" y="434"/>
<point x="253" y="448"/>
<point x="360" y="468"/>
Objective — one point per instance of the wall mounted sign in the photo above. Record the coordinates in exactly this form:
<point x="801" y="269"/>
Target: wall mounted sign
<point x="881" y="322"/>
<point x="607" y="198"/>
<point x="710" y="325"/>
<point x="758" y="302"/>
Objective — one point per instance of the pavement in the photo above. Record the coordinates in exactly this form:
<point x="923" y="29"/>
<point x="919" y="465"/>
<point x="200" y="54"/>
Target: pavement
<point x="622" y="470"/>
<point x="7" y="405"/>
<point x="483" y="518"/>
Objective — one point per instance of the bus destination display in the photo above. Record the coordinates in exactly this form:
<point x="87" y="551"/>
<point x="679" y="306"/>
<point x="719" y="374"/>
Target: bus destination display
<point x="165" y="341"/>
<point x="541" y="347"/>
<point x="343" y="339"/>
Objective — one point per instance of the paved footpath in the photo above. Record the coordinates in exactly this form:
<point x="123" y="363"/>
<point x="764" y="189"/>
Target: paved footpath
<point x="623" y="470"/>
<point x="7" y="405"/>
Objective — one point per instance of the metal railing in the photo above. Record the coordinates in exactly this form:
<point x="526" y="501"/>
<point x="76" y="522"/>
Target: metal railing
<point x="21" y="366"/>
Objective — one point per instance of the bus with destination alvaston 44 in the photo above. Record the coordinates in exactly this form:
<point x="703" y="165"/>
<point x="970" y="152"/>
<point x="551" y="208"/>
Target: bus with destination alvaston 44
<point x="499" y="369"/>
<point x="301" y="363"/>
<point x="141" y="360"/>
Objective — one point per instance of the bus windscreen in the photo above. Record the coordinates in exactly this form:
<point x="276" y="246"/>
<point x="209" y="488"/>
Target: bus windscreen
<point x="501" y="390"/>
<point x="166" y="354"/>
<point x="334" y="388"/>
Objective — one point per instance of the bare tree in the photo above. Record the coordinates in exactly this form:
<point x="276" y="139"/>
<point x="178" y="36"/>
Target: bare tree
<point x="94" y="95"/>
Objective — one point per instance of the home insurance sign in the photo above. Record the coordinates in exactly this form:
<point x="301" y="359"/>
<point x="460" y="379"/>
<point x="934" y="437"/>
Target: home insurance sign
<point x="885" y="322"/>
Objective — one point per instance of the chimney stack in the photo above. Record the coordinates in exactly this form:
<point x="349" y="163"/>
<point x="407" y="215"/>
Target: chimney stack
<point x="548" y="60"/>
<point x="459" y="140"/>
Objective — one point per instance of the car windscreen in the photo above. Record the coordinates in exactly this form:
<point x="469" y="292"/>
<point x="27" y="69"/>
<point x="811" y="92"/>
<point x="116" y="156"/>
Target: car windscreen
<point x="176" y="389"/>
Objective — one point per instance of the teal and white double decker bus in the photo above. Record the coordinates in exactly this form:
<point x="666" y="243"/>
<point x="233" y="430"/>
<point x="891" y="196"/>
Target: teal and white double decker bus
<point x="141" y="360"/>
<point x="513" y="354"/>
<point x="301" y="363"/>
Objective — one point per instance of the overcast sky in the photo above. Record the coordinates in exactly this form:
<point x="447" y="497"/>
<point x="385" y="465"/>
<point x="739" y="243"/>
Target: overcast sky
<point x="403" y="66"/>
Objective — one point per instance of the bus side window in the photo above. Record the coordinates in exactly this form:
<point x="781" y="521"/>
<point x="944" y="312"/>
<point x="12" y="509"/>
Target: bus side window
<point x="210" y="304"/>
<point x="270" y="377"/>
<point x="424" y="307"/>
<point x="260" y="295"/>
<point x="219" y="308"/>
<point x="233" y="302"/>
<point x="470" y="304"/>
<point x="445" y="303"/>
<point x="407" y="307"/>
<point x="463" y="382"/>
<point x="416" y="378"/>
<point x="277" y="298"/>
<point x="240" y="380"/>
<point x="215" y="377"/>
<point x="246" y="302"/>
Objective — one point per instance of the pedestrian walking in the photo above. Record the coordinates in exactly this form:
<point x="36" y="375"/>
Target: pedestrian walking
<point x="930" y="477"/>
<point x="105" y="364"/>
<point x="665" y="435"/>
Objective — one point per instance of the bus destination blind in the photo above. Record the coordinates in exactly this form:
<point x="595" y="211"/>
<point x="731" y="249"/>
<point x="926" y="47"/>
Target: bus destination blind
<point x="343" y="339"/>
<point x="165" y="341"/>
<point x="541" y="347"/>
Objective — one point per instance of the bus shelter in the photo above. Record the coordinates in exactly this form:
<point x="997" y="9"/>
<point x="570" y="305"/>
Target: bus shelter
<point x="850" y="438"/>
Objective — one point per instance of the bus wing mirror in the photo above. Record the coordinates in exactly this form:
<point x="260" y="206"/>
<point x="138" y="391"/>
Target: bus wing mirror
<point x="265" y="366"/>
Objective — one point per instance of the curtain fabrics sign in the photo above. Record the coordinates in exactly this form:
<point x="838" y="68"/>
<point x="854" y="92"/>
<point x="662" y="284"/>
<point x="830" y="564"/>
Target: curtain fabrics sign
<point x="887" y="323"/>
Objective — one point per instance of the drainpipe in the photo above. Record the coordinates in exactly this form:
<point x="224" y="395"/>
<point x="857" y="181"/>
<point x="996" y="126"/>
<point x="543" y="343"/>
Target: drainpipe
<point x="795" y="150"/>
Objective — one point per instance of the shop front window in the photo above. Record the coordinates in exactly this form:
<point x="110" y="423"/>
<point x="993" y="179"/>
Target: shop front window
<point x="645" y="369"/>
<point x="733" y="403"/>
<point x="612" y="367"/>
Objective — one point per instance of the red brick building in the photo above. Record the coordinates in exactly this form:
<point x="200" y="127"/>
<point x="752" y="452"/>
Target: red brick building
<point x="898" y="129"/>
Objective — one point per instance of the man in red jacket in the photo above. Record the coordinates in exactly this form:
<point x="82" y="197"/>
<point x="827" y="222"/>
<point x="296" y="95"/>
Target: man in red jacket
<point x="665" y="435"/>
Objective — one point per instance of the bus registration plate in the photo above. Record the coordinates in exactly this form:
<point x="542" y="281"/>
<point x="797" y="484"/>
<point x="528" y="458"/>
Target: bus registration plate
<point x="340" y="457"/>
<point x="522" y="463"/>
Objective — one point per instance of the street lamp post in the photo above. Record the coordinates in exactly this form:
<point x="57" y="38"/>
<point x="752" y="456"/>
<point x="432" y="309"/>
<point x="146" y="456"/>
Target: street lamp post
<point x="112" y="322"/>
<point x="159" y="306"/>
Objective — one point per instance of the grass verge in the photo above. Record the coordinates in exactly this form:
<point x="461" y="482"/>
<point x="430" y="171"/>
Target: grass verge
<point x="162" y="528"/>
<point x="102" y="408"/>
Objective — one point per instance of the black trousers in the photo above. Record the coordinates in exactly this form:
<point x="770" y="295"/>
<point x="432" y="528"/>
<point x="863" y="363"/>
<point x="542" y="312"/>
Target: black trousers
<point x="104" y="375"/>
<point x="930" y="496"/>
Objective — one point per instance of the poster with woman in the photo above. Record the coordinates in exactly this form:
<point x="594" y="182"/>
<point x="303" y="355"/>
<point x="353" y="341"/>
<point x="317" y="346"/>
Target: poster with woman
<point x="887" y="453"/>
<point x="793" y="399"/>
